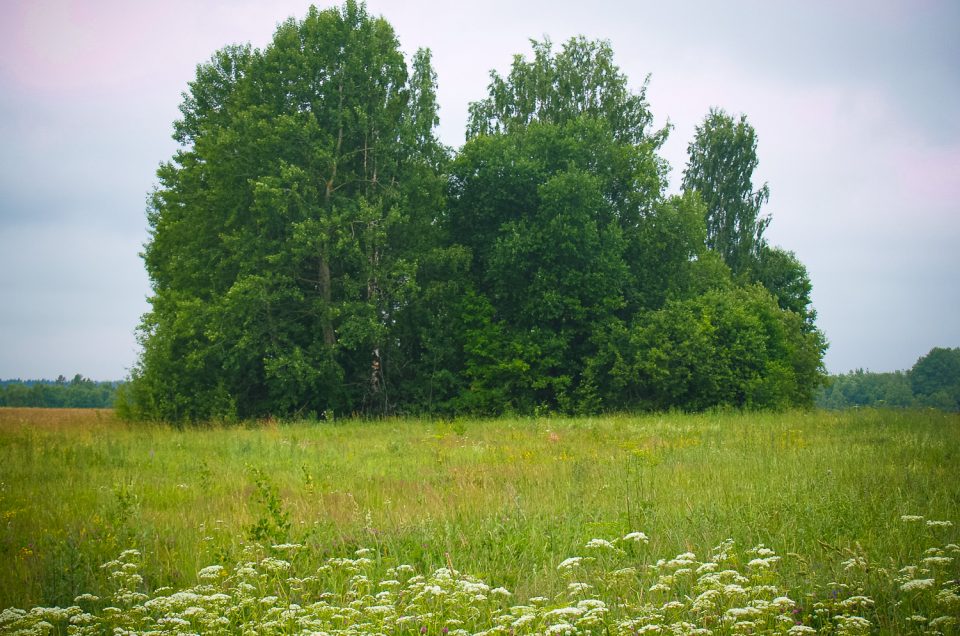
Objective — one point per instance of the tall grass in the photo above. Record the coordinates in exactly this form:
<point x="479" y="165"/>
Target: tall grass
<point x="504" y="500"/>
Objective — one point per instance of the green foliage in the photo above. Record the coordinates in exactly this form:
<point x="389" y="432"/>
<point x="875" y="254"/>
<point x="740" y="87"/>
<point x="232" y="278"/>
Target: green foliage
<point x="315" y="249"/>
<point x="286" y="233"/>
<point x="786" y="277"/>
<point x="733" y="348"/>
<point x="722" y="158"/>
<point x="936" y="377"/>
<point x="581" y="80"/>
<point x="79" y="392"/>
<point x="933" y="382"/>
<point x="486" y="497"/>
<point x="272" y="524"/>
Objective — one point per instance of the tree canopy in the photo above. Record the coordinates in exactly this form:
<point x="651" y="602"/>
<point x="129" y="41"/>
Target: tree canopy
<point x="315" y="249"/>
<point x="933" y="382"/>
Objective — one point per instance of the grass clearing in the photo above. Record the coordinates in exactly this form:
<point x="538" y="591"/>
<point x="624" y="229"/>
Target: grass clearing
<point x="504" y="502"/>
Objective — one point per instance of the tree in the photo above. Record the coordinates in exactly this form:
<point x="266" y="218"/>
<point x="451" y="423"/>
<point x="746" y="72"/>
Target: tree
<point x="285" y="232"/>
<point x="722" y="158"/>
<point x="782" y="273"/>
<point x="558" y="194"/>
<point x="935" y="378"/>
<point x="728" y="347"/>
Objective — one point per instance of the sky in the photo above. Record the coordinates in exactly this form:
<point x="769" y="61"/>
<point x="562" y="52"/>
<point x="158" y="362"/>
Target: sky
<point x="856" y="105"/>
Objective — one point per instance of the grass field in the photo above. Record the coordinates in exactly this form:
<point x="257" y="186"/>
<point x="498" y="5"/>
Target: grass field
<point x="732" y="523"/>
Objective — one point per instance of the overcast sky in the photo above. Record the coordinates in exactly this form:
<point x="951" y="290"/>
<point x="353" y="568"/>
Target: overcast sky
<point x="856" y="107"/>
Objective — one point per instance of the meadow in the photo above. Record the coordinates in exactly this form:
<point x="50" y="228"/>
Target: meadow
<point x="722" y="523"/>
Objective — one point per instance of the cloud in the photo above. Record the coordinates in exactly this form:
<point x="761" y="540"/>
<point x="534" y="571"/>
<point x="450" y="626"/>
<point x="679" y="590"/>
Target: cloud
<point x="854" y="103"/>
<point x="72" y="295"/>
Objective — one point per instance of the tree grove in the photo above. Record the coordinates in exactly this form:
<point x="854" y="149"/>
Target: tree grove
<point x="315" y="249"/>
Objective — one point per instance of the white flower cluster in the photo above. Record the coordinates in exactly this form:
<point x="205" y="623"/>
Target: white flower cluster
<point x="616" y="590"/>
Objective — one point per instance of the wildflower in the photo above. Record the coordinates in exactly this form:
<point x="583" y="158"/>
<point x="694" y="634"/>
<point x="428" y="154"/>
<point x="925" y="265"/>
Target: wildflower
<point x="523" y="620"/>
<point x="799" y="630"/>
<point x="911" y="518"/>
<point x="783" y="603"/>
<point x="564" y="612"/>
<point x="287" y="547"/>
<point x="569" y="564"/>
<point x="917" y="584"/>
<point x="211" y="573"/>
<point x="624" y="572"/>
<point x="592" y="604"/>
<point x="83" y="598"/>
<point x="599" y="544"/>
<point x="577" y="588"/>
<point x="939" y="524"/>
<point x="275" y="565"/>
<point x="943" y="621"/>
<point x="636" y="537"/>
<point x="856" y="601"/>
<point x="854" y="562"/>
<point x="853" y="624"/>
<point x="949" y="599"/>
<point x="659" y="587"/>
<point x="500" y="591"/>
<point x="707" y="567"/>
<point x="937" y="560"/>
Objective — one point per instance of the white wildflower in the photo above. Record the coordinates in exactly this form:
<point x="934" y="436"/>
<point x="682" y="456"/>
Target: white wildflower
<point x="783" y="603"/>
<point x="917" y="584"/>
<point x="636" y="537"/>
<point x="707" y="567"/>
<point x="211" y="572"/>
<point x="949" y="599"/>
<point x="569" y="564"/>
<point x="592" y="604"/>
<point x="624" y="573"/>
<point x="596" y="544"/>
<point x="911" y="518"/>
<point x="274" y="565"/>
<point x="937" y="560"/>
<point x="578" y="588"/>
<point x="287" y="547"/>
<point x="85" y="598"/>
<point x="564" y="612"/>
<point x="939" y="524"/>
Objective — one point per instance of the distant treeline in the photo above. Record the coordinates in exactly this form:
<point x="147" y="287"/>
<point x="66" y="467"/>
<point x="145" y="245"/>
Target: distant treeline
<point x="80" y="392"/>
<point x="933" y="382"/>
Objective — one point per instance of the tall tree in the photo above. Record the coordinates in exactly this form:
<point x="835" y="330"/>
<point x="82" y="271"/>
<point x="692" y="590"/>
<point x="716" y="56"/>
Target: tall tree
<point x="935" y="378"/>
<point x="280" y="253"/>
<point x="721" y="160"/>
<point x="558" y="194"/>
